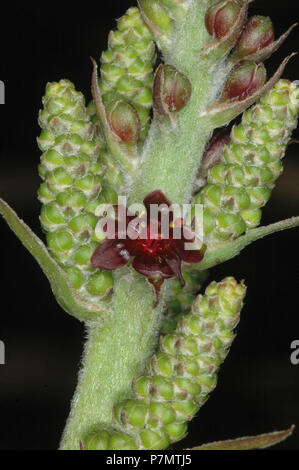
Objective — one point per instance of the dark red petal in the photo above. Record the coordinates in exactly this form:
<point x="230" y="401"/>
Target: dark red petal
<point x="156" y="197"/>
<point x="111" y="254"/>
<point x="151" y="266"/>
<point x="174" y="262"/>
<point x="187" y="255"/>
<point x="157" y="285"/>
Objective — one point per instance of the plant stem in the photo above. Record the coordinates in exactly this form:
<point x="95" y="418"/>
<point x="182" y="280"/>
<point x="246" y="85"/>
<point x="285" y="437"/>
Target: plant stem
<point x="117" y="351"/>
<point x="114" y="354"/>
<point x="172" y="155"/>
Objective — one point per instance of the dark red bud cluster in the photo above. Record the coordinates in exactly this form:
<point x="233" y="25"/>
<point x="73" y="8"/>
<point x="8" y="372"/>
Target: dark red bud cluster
<point x="253" y="42"/>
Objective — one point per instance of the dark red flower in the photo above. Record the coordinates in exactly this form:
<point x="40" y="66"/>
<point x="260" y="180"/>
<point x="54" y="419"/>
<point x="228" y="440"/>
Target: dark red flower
<point x="156" y="245"/>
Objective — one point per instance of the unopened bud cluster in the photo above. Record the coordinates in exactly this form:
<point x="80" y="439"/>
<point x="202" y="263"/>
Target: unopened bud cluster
<point x="251" y="45"/>
<point x="73" y="187"/>
<point x="127" y="68"/>
<point x="179" y="377"/>
<point x="239" y="186"/>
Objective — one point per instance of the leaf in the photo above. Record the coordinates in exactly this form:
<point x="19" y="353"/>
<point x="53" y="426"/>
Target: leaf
<point x="249" y="443"/>
<point x="225" y="251"/>
<point x="221" y="113"/>
<point x="65" y="295"/>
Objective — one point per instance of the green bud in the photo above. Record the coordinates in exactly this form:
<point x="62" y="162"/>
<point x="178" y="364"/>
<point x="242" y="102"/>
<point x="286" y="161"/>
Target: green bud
<point x="100" y="283"/>
<point x="96" y="441"/>
<point x="60" y="241"/>
<point x="154" y="440"/>
<point x="75" y="276"/>
<point x="157" y="14"/>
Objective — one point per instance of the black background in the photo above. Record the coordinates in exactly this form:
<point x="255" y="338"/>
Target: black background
<point x="258" y="387"/>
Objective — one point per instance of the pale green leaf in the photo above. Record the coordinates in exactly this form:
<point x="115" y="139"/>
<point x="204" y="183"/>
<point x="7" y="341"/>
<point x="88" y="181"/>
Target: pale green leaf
<point x="65" y="295"/>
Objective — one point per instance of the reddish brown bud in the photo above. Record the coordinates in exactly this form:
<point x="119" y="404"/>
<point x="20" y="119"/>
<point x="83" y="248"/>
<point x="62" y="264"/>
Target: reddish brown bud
<point x="172" y="90"/>
<point x="221" y="17"/>
<point x="214" y="151"/>
<point x="244" y="80"/>
<point x="124" y="121"/>
<point x="257" y="35"/>
<point x="177" y="89"/>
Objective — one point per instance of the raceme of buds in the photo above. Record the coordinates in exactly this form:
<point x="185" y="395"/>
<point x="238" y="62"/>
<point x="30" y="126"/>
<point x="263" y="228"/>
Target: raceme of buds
<point x="221" y="17"/>
<point x="124" y="121"/>
<point x="240" y="185"/>
<point x="172" y="90"/>
<point x="257" y="35"/>
<point x="72" y="188"/>
<point x="244" y="80"/>
<point x="127" y="67"/>
<point x="180" y="300"/>
<point x="179" y="377"/>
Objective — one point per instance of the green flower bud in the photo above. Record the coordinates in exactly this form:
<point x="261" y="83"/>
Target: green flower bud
<point x="100" y="283"/>
<point x="96" y="441"/>
<point x="157" y="15"/>
<point x="75" y="276"/>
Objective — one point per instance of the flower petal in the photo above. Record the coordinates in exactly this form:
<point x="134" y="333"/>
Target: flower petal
<point x="111" y="254"/>
<point x="190" y="255"/>
<point x="151" y="266"/>
<point x="174" y="262"/>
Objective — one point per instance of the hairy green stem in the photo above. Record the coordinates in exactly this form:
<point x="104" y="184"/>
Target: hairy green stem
<point x="172" y="152"/>
<point x="114" y="354"/>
